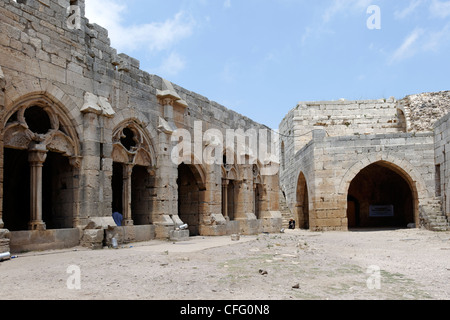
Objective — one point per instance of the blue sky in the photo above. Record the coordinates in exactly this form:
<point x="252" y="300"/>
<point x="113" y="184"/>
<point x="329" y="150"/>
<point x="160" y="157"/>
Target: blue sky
<point x="261" y="57"/>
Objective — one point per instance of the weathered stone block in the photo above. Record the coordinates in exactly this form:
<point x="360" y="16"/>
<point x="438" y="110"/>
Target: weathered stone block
<point x="4" y="240"/>
<point x="92" y="238"/>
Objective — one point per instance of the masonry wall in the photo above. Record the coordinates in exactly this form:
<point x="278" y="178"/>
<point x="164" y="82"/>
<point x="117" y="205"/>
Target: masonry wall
<point x="343" y="118"/>
<point x="442" y="148"/>
<point x="338" y="161"/>
<point x="331" y="142"/>
<point x="98" y="92"/>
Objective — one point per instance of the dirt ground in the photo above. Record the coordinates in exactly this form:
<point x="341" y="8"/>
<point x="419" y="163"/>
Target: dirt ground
<point x="358" y="265"/>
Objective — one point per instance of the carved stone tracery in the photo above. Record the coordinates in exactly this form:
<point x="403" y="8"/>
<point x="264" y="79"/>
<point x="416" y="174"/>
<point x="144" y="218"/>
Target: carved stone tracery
<point x="17" y="133"/>
<point x="46" y="130"/>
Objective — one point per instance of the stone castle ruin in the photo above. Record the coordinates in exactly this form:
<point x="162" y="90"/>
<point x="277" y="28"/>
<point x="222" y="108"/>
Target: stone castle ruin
<point x="375" y="163"/>
<point x="85" y="132"/>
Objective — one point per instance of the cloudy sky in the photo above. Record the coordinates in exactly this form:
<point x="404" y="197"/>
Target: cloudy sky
<point x="261" y="57"/>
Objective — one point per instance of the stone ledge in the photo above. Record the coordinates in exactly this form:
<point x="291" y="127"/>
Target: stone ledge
<point x="22" y="241"/>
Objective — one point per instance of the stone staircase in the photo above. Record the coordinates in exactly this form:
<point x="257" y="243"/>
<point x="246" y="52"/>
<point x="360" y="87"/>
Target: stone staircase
<point x="286" y="213"/>
<point x="432" y="217"/>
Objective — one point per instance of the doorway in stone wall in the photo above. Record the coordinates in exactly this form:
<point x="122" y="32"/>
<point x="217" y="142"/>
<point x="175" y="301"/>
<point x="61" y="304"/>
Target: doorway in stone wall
<point x="301" y="216"/>
<point x="380" y="196"/>
<point x="189" y="198"/>
<point x="142" y="187"/>
<point x="57" y="192"/>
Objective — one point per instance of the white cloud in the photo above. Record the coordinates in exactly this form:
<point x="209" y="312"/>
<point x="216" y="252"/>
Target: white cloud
<point x="227" y="4"/>
<point x="435" y="40"/>
<point x="423" y="41"/>
<point x="155" y="36"/>
<point x="345" y="7"/>
<point x="413" y="5"/>
<point x="408" y="47"/>
<point x="229" y="71"/>
<point x="440" y="9"/>
<point x="172" y="65"/>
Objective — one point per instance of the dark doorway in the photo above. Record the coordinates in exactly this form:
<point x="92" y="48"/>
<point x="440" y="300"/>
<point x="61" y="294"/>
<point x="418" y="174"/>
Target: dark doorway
<point x="302" y="206"/>
<point x="353" y="213"/>
<point x="231" y="195"/>
<point x="117" y="187"/>
<point x="141" y="196"/>
<point x="57" y="192"/>
<point x="382" y="197"/>
<point x="258" y="200"/>
<point x="188" y="198"/>
<point x="16" y="190"/>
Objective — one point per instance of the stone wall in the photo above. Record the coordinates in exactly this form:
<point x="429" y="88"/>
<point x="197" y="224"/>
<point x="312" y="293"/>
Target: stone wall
<point x="343" y="118"/>
<point x="329" y="143"/>
<point x="425" y="109"/>
<point x="442" y="148"/>
<point x="92" y="96"/>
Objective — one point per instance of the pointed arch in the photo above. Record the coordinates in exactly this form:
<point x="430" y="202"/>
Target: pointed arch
<point x="301" y="213"/>
<point x="40" y="125"/>
<point x="62" y="135"/>
<point x="141" y="152"/>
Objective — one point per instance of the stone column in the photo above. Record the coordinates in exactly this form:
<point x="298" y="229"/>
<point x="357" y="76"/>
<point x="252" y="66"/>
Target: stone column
<point x="75" y="162"/>
<point x="270" y="205"/>
<point x="36" y="157"/>
<point x="126" y="195"/>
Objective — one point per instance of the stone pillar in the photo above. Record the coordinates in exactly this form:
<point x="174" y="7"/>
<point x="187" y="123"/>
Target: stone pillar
<point x="36" y="157"/>
<point x="96" y="168"/>
<point x="165" y="202"/>
<point x="126" y="195"/>
<point x="270" y="206"/>
<point x="75" y="162"/>
<point x="212" y="221"/>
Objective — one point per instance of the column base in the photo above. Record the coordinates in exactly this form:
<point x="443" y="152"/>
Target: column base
<point x="127" y="223"/>
<point x="37" y="226"/>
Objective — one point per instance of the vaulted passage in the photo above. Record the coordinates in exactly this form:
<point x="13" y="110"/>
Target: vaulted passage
<point x="188" y="198"/>
<point x="57" y="191"/>
<point x="380" y="197"/>
<point x="133" y="179"/>
<point x="302" y="206"/>
<point x="142" y="188"/>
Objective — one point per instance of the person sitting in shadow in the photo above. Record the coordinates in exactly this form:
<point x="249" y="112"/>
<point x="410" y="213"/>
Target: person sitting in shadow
<point x="117" y="218"/>
<point x="292" y="224"/>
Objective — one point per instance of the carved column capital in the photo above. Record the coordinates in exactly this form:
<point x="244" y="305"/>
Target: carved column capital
<point x="37" y="154"/>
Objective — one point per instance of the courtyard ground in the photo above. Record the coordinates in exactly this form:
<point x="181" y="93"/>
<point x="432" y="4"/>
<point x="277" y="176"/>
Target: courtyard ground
<point x="295" y="265"/>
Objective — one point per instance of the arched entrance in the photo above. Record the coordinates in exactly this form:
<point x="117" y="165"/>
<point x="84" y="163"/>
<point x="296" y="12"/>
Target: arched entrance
<point x="301" y="216"/>
<point x="133" y="173"/>
<point x="230" y="185"/>
<point x="380" y="196"/>
<point x="40" y="167"/>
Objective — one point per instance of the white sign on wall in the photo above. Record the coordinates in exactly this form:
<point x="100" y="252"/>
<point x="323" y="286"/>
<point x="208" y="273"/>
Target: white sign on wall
<point x="381" y="211"/>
